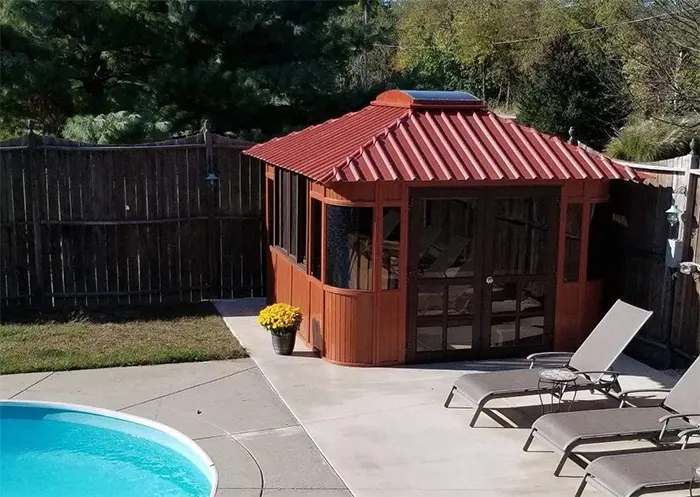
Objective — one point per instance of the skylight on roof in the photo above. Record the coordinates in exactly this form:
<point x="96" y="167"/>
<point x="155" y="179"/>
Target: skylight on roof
<point x="441" y="96"/>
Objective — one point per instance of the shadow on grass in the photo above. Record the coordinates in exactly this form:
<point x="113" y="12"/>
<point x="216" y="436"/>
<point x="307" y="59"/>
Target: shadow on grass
<point x="122" y="314"/>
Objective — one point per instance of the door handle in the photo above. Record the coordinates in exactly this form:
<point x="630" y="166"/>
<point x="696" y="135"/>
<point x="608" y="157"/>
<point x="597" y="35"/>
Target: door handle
<point x="489" y="280"/>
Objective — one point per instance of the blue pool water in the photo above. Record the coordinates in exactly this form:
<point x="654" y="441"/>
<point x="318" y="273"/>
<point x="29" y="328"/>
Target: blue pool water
<point x="57" y="451"/>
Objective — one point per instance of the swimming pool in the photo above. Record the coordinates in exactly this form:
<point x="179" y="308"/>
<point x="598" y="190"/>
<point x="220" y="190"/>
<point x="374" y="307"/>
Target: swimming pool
<point x="68" y="450"/>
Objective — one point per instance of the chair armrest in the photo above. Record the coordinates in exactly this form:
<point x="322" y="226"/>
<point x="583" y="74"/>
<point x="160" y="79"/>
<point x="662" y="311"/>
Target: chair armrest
<point x="548" y="355"/>
<point x="686" y="434"/>
<point x="623" y="395"/>
<point x="669" y="417"/>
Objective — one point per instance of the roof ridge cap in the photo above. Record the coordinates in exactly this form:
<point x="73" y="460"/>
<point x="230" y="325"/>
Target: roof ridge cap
<point x="345" y="163"/>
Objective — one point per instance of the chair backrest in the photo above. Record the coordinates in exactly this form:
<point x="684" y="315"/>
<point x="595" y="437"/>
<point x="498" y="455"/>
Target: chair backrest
<point x="607" y="341"/>
<point x="685" y="395"/>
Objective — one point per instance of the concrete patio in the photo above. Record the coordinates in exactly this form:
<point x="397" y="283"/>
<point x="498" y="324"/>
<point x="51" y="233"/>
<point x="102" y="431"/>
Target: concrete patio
<point x="227" y="407"/>
<point x="386" y="433"/>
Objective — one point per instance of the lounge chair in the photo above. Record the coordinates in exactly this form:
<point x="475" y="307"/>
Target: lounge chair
<point x="591" y="361"/>
<point x="567" y="430"/>
<point x="629" y="475"/>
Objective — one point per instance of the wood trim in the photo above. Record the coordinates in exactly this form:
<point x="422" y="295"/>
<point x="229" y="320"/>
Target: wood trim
<point x="348" y="203"/>
<point x="345" y="291"/>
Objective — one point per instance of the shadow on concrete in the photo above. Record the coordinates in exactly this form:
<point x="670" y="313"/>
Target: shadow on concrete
<point x="240" y="307"/>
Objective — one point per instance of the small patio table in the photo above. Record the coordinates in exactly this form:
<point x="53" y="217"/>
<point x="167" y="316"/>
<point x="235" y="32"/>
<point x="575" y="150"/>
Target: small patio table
<point x="559" y="379"/>
<point x="693" y="479"/>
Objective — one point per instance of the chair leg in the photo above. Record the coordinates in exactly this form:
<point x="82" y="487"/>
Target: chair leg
<point x="529" y="440"/>
<point x="477" y="411"/>
<point x="582" y="486"/>
<point x="449" y="397"/>
<point x="562" y="461"/>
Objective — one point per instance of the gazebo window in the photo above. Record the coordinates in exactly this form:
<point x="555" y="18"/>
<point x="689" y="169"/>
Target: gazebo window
<point x="572" y="248"/>
<point x="600" y="234"/>
<point x="316" y="228"/>
<point x="349" y="247"/>
<point x="290" y="214"/>
<point x="391" y="232"/>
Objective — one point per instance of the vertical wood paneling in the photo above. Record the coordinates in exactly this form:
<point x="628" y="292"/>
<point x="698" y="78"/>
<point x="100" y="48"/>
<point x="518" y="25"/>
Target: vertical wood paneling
<point x="390" y="326"/>
<point x="348" y="328"/>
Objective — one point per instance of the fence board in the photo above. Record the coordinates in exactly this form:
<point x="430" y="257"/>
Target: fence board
<point x="126" y="224"/>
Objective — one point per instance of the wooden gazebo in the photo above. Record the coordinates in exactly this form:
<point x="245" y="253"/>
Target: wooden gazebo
<point x="425" y="227"/>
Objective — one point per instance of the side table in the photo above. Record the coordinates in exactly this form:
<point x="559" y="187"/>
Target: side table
<point x="559" y="379"/>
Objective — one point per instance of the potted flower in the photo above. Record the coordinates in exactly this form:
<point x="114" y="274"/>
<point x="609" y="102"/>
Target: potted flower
<point x="282" y="321"/>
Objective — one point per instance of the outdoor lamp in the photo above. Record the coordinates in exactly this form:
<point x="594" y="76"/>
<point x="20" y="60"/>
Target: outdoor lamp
<point x="211" y="178"/>
<point x="673" y="215"/>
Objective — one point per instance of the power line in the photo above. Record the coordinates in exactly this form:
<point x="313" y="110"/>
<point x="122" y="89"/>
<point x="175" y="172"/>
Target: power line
<point x="598" y="28"/>
<point x="544" y="37"/>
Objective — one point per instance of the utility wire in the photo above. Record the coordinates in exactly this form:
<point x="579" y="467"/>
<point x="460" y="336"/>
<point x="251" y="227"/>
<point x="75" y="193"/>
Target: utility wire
<point x="575" y="32"/>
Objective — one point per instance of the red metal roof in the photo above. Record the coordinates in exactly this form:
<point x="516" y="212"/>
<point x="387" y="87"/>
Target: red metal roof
<point x="417" y="141"/>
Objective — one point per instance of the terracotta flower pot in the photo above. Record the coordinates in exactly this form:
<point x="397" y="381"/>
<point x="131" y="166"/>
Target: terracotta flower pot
<point x="283" y="341"/>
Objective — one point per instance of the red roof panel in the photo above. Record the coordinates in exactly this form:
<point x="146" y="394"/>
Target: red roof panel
<point x="410" y="142"/>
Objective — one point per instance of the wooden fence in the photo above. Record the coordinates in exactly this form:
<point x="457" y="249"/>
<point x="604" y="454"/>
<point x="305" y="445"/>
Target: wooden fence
<point x="94" y="225"/>
<point x="640" y="276"/>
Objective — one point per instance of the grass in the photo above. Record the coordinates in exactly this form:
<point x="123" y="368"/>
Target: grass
<point x="653" y="140"/>
<point x="119" y="337"/>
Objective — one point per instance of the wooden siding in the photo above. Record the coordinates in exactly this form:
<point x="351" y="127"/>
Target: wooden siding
<point x="348" y="329"/>
<point x="391" y="328"/>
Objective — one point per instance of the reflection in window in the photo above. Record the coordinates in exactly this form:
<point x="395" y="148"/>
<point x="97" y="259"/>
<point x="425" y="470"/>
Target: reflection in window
<point x="271" y="233"/>
<point x="598" y="241"/>
<point x="349" y="247"/>
<point x="520" y="236"/>
<point x="447" y="239"/>
<point x="316" y="214"/>
<point x="390" y="247"/>
<point x="572" y="247"/>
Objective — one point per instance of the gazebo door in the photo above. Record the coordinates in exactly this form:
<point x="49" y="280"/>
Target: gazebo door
<point x="482" y="272"/>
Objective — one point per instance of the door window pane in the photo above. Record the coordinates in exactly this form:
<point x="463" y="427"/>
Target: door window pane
<point x="446" y="244"/>
<point x="460" y="300"/>
<point x="532" y="297"/>
<point x="316" y="223"/>
<point x="429" y="338"/>
<point x="520" y="236"/>
<point x="459" y="336"/>
<point x="503" y="331"/>
<point x="531" y="330"/>
<point x="391" y="232"/>
<point x="572" y="247"/>
<point x="504" y="297"/>
<point x="349" y="247"/>
<point x="430" y="299"/>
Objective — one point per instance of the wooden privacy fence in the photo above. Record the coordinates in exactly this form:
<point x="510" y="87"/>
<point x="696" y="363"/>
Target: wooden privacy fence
<point x="639" y="274"/>
<point x="94" y="225"/>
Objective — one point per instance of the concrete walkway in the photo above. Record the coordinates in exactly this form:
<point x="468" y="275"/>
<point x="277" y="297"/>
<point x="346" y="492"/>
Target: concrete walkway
<point x="385" y="432"/>
<point x="227" y="407"/>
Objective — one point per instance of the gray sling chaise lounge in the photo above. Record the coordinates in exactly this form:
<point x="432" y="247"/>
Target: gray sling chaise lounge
<point x="679" y="411"/>
<point x="629" y="475"/>
<point x="591" y="361"/>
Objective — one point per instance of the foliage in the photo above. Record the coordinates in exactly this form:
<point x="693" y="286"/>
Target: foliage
<point x="244" y="65"/>
<point x="646" y="140"/>
<point x="280" y="317"/>
<point x="568" y="88"/>
<point x="116" y="127"/>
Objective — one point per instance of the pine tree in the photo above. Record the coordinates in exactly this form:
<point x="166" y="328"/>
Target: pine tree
<point x="568" y="88"/>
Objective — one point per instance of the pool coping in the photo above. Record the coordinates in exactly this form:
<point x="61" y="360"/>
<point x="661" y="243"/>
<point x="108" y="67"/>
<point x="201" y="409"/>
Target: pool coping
<point x="178" y="435"/>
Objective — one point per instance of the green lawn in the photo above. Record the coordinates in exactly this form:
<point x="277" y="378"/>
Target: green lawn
<point x="118" y="337"/>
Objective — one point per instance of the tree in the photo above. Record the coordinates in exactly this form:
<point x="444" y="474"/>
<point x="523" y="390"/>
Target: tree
<point x="116" y="127"/>
<point x="247" y="66"/>
<point x="568" y="88"/>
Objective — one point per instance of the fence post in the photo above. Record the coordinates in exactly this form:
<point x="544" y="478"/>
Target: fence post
<point x="213" y="238"/>
<point x="34" y="171"/>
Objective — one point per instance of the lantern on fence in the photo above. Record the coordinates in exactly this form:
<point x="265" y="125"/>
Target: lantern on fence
<point x="673" y="215"/>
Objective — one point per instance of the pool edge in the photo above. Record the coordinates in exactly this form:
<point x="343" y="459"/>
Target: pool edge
<point x="178" y="435"/>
